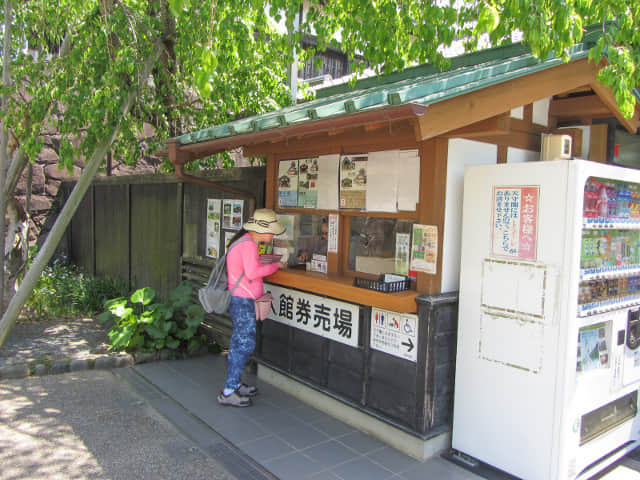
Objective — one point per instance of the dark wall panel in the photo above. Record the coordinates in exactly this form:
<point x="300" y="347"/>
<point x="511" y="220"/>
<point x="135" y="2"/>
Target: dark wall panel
<point x="112" y="231"/>
<point x="82" y="250"/>
<point x="155" y="237"/>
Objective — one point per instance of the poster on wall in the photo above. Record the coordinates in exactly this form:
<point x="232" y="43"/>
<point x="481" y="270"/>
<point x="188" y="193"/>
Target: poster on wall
<point x="232" y="214"/>
<point x="353" y="181"/>
<point x="213" y="228"/>
<point x="288" y="183"/>
<point x="515" y="222"/>
<point x="403" y="243"/>
<point x="308" y="183"/>
<point x="227" y="238"/>
<point x="424" y="250"/>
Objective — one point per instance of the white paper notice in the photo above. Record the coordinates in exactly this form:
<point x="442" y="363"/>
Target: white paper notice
<point x="382" y="181"/>
<point x="332" y="241"/>
<point x="408" y="180"/>
<point x="328" y="181"/>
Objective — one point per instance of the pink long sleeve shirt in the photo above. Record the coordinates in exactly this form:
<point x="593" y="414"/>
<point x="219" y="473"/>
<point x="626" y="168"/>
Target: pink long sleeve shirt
<point x="243" y="256"/>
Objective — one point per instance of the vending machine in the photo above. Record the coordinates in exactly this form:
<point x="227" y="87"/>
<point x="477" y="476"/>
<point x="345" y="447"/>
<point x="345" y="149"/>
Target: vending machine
<point x="548" y="354"/>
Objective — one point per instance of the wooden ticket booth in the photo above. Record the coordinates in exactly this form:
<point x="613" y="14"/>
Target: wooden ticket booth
<point x="366" y="328"/>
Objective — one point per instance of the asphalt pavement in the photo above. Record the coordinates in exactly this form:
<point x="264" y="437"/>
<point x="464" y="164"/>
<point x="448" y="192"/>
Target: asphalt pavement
<point x="92" y="425"/>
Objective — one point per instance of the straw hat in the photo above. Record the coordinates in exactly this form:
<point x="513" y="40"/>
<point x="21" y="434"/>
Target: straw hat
<point x="264" y="220"/>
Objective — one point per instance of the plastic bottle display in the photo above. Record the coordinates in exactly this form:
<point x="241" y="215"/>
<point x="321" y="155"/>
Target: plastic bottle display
<point x="610" y="250"/>
<point x="606" y="201"/>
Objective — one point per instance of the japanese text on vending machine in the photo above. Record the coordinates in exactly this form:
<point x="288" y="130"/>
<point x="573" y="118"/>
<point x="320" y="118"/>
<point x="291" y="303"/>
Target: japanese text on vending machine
<point x="515" y="221"/>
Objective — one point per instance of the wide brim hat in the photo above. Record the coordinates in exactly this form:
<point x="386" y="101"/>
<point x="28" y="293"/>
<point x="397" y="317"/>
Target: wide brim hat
<point x="264" y="220"/>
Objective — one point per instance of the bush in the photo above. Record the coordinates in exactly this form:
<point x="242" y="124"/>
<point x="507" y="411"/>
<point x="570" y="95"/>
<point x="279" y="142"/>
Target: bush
<point x="140" y="323"/>
<point x="63" y="291"/>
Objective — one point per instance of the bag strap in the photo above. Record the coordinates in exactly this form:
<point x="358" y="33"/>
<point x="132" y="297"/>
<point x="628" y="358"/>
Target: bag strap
<point x="218" y="267"/>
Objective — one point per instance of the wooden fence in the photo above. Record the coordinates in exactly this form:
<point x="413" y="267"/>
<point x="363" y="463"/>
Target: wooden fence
<point x="137" y="228"/>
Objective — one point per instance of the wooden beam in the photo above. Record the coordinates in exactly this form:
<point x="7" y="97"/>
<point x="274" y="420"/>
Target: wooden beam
<point x="606" y="95"/>
<point x="353" y="140"/>
<point x="598" y="143"/>
<point x="577" y="108"/>
<point x="500" y="125"/>
<point x="503" y="152"/>
<point x="522" y="140"/>
<point x="457" y="112"/>
<point x="271" y="188"/>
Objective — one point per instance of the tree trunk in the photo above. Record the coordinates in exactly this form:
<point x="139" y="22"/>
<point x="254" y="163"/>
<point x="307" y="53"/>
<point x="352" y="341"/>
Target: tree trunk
<point x="77" y="194"/>
<point x="4" y="137"/>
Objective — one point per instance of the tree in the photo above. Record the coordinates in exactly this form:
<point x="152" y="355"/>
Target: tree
<point x="79" y="65"/>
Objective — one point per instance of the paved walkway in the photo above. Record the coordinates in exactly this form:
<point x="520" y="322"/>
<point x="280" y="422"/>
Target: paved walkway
<point x="286" y="439"/>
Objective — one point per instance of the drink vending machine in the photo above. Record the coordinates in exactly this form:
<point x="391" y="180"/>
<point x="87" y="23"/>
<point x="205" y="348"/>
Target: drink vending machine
<point x="548" y="355"/>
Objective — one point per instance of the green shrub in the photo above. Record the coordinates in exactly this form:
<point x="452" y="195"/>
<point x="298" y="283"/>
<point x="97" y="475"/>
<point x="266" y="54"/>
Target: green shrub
<point x="140" y="323"/>
<point x="64" y="291"/>
<point x="56" y="291"/>
<point x="96" y="291"/>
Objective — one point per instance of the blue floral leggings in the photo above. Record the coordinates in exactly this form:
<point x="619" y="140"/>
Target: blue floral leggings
<point x="243" y="338"/>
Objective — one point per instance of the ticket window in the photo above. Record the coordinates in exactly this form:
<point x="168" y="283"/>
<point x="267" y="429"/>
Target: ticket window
<point x="379" y="245"/>
<point x="304" y="242"/>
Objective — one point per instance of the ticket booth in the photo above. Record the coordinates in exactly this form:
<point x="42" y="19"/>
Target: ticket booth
<point x="369" y="182"/>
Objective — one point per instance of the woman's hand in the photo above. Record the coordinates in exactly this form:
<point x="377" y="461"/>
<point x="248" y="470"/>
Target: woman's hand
<point x="282" y="265"/>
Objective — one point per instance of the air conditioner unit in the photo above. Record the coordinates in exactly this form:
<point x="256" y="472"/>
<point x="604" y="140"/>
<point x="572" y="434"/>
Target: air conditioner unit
<point x="556" y="147"/>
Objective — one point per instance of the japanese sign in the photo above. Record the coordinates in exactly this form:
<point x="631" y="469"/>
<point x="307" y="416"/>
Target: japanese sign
<point x="424" y="251"/>
<point x="395" y="333"/>
<point x="515" y="222"/>
<point x="329" y="318"/>
<point x="213" y="227"/>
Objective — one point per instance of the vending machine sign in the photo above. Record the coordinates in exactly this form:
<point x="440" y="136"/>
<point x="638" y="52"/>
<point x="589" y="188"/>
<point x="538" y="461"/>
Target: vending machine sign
<point x="515" y="222"/>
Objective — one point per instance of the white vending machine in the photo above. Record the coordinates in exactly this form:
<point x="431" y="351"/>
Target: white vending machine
<point x="548" y="364"/>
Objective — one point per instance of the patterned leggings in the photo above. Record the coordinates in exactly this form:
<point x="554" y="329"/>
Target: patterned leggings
<point x="243" y="338"/>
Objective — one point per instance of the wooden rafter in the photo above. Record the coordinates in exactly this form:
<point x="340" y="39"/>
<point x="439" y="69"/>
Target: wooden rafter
<point x="579" y="108"/>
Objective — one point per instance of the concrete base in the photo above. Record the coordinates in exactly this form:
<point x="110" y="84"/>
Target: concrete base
<point x="400" y="440"/>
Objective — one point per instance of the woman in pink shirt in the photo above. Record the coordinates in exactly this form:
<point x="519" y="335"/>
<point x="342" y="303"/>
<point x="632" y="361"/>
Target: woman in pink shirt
<point x="244" y="263"/>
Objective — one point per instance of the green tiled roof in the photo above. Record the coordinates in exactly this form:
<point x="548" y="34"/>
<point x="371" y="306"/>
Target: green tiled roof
<point x="423" y="85"/>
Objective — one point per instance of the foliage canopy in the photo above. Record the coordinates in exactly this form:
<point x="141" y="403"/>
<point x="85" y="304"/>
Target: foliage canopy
<point x="228" y="58"/>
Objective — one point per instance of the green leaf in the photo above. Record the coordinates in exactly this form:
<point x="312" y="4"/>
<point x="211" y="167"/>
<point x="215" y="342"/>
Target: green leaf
<point x="144" y="295"/>
<point x="194" y="344"/>
<point x="155" y="331"/>
<point x="120" y="337"/>
<point x="104" y="317"/>
<point x="172" y="343"/>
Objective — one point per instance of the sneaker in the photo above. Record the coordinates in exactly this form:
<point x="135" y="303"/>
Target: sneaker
<point x="234" y="400"/>
<point x="245" y="390"/>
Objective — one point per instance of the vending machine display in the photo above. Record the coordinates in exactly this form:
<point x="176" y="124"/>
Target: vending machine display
<point x="548" y="358"/>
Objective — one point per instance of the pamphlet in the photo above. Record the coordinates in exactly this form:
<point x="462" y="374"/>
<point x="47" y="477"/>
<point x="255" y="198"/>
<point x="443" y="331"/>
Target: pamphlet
<point x="213" y="227"/>
<point x="424" y="251"/>
<point x="353" y="181"/>
<point x="403" y="242"/>
<point x="232" y="214"/>
<point x="308" y="183"/>
<point x="288" y="183"/>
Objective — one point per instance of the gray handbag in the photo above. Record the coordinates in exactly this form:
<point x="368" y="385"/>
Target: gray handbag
<point x="215" y="296"/>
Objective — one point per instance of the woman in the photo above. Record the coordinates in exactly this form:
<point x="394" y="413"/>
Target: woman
<point x="242" y="257"/>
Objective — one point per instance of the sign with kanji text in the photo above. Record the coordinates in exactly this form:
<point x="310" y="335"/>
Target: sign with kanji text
<point x="395" y="333"/>
<point x="515" y="222"/>
<point x="329" y="318"/>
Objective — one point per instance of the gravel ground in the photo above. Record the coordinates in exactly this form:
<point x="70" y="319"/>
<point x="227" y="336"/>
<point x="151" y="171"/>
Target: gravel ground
<point x="50" y="341"/>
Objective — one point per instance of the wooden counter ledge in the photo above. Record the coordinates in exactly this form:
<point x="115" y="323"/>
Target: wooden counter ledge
<point x="342" y="288"/>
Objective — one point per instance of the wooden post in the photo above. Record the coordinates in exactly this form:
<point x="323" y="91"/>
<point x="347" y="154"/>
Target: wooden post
<point x="433" y="185"/>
